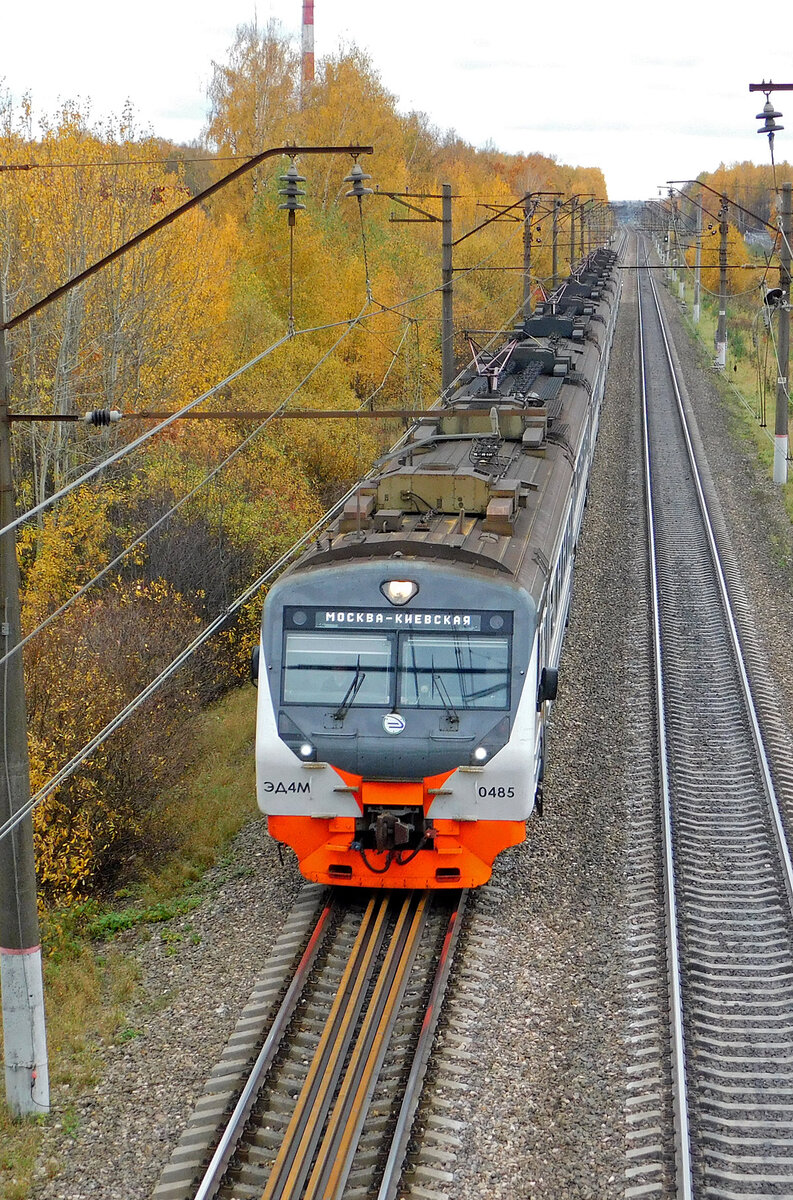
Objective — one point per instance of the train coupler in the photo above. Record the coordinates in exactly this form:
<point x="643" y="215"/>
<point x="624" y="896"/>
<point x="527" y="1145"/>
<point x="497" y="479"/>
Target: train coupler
<point x="391" y="833"/>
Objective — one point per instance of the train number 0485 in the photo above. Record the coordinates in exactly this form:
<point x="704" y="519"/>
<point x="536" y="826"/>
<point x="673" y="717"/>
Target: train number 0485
<point x="497" y="793"/>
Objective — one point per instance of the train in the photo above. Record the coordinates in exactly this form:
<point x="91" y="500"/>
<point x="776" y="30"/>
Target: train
<point x="408" y="661"/>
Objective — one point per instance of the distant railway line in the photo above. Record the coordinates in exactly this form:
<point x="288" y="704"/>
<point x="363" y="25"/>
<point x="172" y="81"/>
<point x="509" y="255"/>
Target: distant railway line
<point x="726" y="868"/>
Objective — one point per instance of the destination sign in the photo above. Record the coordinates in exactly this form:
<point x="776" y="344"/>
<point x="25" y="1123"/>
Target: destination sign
<point x="399" y="618"/>
<point x="332" y="619"/>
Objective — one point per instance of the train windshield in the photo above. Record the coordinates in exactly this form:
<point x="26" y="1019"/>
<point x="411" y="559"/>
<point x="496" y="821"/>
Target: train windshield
<point x="453" y="671"/>
<point x="330" y="668"/>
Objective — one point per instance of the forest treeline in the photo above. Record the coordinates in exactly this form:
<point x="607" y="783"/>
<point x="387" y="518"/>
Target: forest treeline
<point x="753" y="216"/>
<point x="753" y="187"/>
<point x="167" y="322"/>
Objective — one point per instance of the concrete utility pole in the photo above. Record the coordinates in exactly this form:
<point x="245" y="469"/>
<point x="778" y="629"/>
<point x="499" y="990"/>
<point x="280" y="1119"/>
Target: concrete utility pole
<point x="447" y="293"/>
<point x="675" y="248"/>
<point x="721" y="330"/>
<point x="555" y="247"/>
<point x="698" y="266"/>
<point x="527" y="204"/>
<point x="573" y="205"/>
<point x="528" y="213"/>
<point x="783" y="343"/>
<point x="578" y="201"/>
<point x="24" y="1029"/>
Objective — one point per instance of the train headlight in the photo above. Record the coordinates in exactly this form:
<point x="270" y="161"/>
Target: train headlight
<point x="480" y="755"/>
<point x="307" y="751"/>
<point x="399" y="591"/>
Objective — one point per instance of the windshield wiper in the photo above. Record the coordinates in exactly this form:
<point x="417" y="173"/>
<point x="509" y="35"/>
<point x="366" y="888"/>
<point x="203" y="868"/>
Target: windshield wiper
<point x="446" y="700"/>
<point x="351" y="693"/>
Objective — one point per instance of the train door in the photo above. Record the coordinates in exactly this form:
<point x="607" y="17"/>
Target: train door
<point x="544" y="633"/>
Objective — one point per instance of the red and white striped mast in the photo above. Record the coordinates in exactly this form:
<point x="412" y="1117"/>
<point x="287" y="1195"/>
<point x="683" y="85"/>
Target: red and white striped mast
<point x="307" y="74"/>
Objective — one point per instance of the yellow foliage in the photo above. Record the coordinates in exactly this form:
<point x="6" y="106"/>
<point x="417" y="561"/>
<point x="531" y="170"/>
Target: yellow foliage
<point x="77" y="680"/>
<point x="105" y="344"/>
<point x="69" y="547"/>
<point x="737" y="256"/>
<point x="170" y="320"/>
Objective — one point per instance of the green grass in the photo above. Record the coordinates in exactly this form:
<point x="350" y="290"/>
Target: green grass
<point x="19" y="1143"/>
<point x="89" y="982"/>
<point x="214" y="800"/>
<point x="86" y="995"/>
<point x="740" y="375"/>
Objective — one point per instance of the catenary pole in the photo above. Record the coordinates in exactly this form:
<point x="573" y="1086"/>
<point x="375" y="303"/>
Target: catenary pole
<point x="573" y="205"/>
<point x="698" y="266"/>
<point x="447" y="294"/>
<point x="555" y="248"/>
<point x="528" y="213"/>
<point x="721" y="329"/>
<point x="21" y="980"/>
<point x="783" y="344"/>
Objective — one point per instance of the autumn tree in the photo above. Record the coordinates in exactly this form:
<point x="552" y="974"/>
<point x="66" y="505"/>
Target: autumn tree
<point x="737" y="257"/>
<point x="105" y="344"/>
<point x="211" y="505"/>
<point x="751" y="185"/>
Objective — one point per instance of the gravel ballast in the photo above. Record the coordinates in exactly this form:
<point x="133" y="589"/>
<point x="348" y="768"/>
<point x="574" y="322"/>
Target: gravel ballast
<point x="544" y="1113"/>
<point x="546" y="1020"/>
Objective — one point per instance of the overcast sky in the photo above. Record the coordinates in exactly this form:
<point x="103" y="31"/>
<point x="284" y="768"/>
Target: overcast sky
<point x="647" y="93"/>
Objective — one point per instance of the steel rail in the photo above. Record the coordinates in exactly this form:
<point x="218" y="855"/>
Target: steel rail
<point x="741" y="1057"/>
<point x="399" y="1141"/>
<point x="684" y="1175"/>
<point x="317" y="1155"/>
<point x="337" y="1150"/>
<point x="239" y="1117"/>
<point x="294" y="1157"/>
<point x="771" y="796"/>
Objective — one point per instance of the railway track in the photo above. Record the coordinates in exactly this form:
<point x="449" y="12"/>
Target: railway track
<point x="327" y="1108"/>
<point x="726" y="868"/>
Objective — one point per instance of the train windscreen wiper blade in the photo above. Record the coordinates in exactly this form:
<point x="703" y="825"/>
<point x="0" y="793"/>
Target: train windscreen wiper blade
<point x="351" y="693"/>
<point x="439" y="686"/>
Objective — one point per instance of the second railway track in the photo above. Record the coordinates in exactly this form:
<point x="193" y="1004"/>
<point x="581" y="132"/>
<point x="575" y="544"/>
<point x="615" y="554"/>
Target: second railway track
<point x="728" y="869"/>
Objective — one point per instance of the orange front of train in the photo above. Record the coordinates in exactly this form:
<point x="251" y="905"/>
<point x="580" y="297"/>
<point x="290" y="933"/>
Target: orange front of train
<point x="398" y="729"/>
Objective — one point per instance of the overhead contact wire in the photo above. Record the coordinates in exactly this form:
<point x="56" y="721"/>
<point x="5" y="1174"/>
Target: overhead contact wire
<point x="171" y="511"/>
<point x="348" y="326"/>
<point x="130" y="447"/>
<point x="88" y="749"/>
<point x="85" y="753"/>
